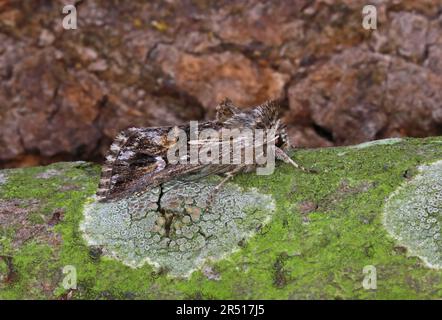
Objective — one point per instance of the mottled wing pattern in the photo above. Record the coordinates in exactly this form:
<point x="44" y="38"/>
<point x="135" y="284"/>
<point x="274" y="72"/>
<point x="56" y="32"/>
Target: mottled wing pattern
<point x="137" y="159"/>
<point x="262" y="117"/>
<point x="123" y="161"/>
<point x="135" y="153"/>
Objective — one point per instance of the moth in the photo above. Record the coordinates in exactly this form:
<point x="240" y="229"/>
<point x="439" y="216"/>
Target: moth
<point x="138" y="157"/>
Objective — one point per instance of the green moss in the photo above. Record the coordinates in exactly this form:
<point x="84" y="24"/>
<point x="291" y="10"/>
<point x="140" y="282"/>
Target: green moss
<point x="315" y="254"/>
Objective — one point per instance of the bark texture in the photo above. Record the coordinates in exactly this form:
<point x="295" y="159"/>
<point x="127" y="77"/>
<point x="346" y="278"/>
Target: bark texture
<point x="65" y="94"/>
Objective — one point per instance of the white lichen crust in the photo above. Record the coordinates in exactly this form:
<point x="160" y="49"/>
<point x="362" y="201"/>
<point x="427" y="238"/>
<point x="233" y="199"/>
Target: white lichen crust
<point x="381" y="142"/>
<point x="3" y="178"/>
<point x="369" y="144"/>
<point x="413" y="214"/>
<point x="173" y="228"/>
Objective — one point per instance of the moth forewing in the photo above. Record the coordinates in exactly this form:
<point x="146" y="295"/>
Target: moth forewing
<point x="231" y="146"/>
<point x="178" y="150"/>
<point x="193" y="147"/>
<point x="142" y="158"/>
<point x="265" y="151"/>
<point x="209" y="147"/>
<point x="247" y="146"/>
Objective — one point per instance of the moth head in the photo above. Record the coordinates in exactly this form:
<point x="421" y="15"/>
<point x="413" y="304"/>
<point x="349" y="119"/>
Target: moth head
<point x="264" y="116"/>
<point x="267" y="116"/>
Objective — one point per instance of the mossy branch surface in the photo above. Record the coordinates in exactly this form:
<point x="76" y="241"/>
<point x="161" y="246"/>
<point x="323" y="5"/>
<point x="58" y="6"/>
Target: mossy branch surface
<point x="325" y="229"/>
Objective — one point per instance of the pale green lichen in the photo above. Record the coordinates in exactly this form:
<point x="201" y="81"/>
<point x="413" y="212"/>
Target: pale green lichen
<point x="3" y="178"/>
<point x="173" y="228"/>
<point x="413" y="214"/>
<point x="368" y="144"/>
<point x="48" y="174"/>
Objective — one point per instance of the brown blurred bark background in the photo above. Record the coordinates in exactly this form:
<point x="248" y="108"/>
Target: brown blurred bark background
<point x="65" y="94"/>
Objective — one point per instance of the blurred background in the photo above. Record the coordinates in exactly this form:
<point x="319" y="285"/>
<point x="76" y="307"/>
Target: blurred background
<point x="65" y="94"/>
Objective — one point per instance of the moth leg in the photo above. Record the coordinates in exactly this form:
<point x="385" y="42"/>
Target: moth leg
<point x="281" y="155"/>
<point x="229" y="175"/>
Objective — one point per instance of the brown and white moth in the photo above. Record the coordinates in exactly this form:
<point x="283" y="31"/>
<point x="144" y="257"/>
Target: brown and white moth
<point x="137" y="160"/>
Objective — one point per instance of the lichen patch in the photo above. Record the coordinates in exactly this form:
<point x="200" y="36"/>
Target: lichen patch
<point x="413" y="214"/>
<point x="368" y="144"/>
<point x="172" y="227"/>
<point x="3" y="178"/>
<point x="48" y="174"/>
